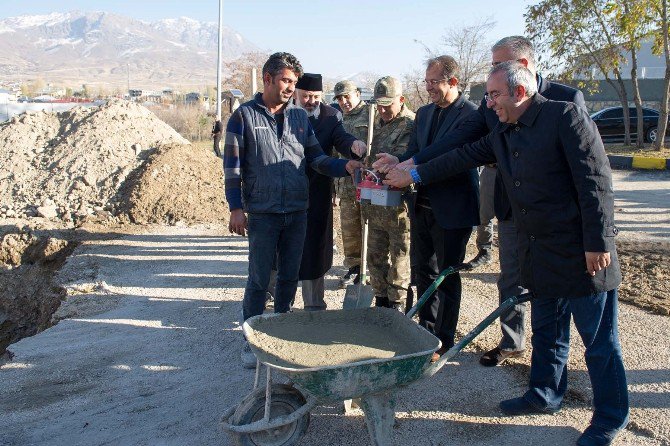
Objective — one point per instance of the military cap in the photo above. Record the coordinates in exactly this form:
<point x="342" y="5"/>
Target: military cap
<point x="344" y="87"/>
<point x="386" y="90"/>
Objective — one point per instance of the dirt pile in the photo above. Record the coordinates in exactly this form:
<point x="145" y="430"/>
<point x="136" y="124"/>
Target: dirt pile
<point x="28" y="294"/>
<point x="70" y="165"/>
<point x="646" y="283"/>
<point x="177" y="184"/>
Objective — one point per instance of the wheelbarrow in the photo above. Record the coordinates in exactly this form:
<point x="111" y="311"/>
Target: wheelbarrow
<point x="331" y="356"/>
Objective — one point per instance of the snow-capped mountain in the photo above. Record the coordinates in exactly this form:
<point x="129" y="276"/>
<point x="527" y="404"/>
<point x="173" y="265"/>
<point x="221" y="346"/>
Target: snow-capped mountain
<point x="103" y="48"/>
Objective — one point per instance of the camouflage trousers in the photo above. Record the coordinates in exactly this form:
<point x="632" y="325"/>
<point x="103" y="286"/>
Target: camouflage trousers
<point x="388" y="251"/>
<point x="350" y="221"/>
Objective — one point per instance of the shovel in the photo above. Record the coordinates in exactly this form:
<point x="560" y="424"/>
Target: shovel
<point x="360" y="295"/>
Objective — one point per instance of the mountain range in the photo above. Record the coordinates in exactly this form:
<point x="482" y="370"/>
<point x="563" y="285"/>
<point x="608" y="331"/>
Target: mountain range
<point x="113" y="51"/>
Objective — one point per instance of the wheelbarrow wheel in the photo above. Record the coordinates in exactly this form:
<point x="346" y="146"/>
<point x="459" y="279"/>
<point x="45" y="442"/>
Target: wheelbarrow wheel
<point x="285" y="400"/>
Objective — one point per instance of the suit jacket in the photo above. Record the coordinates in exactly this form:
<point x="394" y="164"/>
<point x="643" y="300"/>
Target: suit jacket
<point x="555" y="170"/>
<point x="480" y="123"/>
<point x="455" y="200"/>
<point x="317" y="255"/>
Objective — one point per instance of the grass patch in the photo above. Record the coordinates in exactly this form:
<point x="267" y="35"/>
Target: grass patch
<point x="648" y="150"/>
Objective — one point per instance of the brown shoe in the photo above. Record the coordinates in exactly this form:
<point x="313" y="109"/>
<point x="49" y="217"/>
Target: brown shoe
<point x="440" y="351"/>
<point x="497" y="356"/>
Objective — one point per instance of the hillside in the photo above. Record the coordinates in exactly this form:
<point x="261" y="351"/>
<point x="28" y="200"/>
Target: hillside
<point x="101" y="48"/>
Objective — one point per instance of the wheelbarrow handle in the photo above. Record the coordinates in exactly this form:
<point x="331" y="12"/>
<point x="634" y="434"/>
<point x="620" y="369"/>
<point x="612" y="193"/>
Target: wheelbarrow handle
<point x="502" y="309"/>
<point x="433" y="286"/>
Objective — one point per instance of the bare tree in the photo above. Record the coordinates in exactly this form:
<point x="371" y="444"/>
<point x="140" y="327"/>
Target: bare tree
<point x="470" y="47"/>
<point x="662" y="46"/>
<point x="414" y="89"/>
<point x="238" y="73"/>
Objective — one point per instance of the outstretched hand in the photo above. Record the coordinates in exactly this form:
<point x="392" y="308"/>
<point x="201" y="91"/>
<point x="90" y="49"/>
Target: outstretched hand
<point x="398" y="178"/>
<point x="353" y="165"/>
<point x="359" y="148"/>
<point x="385" y="162"/>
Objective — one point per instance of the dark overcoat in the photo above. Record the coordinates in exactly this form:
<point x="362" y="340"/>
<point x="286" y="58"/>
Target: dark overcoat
<point x="317" y="255"/>
<point x="454" y="200"/>
<point x="558" y="179"/>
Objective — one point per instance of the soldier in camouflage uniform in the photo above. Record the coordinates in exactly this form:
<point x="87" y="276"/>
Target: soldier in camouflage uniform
<point x="355" y="120"/>
<point x="388" y="227"/>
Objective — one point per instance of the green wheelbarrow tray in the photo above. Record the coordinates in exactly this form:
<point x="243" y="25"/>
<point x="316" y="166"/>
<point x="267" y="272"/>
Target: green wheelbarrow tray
<point x="342" y="354"/>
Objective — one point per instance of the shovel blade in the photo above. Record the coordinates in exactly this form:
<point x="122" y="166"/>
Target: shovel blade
<point x="357" y="296"/>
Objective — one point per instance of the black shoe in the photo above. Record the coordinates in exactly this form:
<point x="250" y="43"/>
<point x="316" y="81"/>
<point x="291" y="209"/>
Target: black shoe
<point x="351" y="277"/>
<point x="497" y="356"/>
<point x="382" y="301"/>
<point x="521" y="406"/>
<point x="483" y="257"/>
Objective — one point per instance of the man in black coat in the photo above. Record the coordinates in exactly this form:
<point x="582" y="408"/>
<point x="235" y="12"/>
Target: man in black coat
<point x="444" y="212"/>
<point x="492" y="193"/>
<point x="556" y="173"/>
<point x="317" y="255"/>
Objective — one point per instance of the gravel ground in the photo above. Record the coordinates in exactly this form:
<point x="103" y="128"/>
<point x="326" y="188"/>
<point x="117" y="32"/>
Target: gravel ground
<point x="150" y="356"/>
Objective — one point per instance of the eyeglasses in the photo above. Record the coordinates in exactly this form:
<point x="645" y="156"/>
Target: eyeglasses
<point x="493" y="96"/>
<point x="433" y="82"/>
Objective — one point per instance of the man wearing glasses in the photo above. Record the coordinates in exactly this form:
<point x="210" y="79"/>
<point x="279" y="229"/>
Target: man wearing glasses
<point x="476" y="126"/>
<point x="558" y="179"/>
<point x="444" y="212"/>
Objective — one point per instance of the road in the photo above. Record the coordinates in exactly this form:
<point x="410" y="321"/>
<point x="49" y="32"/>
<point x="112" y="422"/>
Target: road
<point x="642" y="203"/>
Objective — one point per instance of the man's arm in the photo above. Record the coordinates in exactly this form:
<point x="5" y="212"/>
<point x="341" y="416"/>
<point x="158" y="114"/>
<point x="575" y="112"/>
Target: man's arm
<point x="592" y="177"/>
<point x="458" y="160"/>
<point x="319" y="161"/>
<point x="233" y="157"/>
<point x="343" y="141"/>
<point x="470" y="130"/>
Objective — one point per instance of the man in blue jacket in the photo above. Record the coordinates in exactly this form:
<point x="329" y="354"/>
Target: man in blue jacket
<point x="269" y="143"/>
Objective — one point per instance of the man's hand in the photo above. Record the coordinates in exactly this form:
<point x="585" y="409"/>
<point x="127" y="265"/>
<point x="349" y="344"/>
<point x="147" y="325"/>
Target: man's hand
<point x="406" y="165"/>
<point x="595" y="261"/>
<point x="359" y="148"/>
<point x="385" y="162"/>
<point x="398" y="178"/>
<point x="352" y="165"/>
<point x="238" y="222"/>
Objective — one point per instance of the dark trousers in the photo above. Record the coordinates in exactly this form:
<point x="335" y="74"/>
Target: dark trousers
<point x="435" y="249"/>
<point x="596" y="319"/>
<point x="273" y="237"/>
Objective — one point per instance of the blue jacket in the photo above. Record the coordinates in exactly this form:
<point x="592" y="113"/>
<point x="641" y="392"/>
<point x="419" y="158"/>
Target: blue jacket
<point x="265" y="173"/>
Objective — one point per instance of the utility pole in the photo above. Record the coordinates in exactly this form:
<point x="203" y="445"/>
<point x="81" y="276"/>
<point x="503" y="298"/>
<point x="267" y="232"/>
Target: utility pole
<point x="128" y="71"/>
<point x="219" y="63"/>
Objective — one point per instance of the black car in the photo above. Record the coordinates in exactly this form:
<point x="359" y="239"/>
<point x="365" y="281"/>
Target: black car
<point x="610" y="123"/>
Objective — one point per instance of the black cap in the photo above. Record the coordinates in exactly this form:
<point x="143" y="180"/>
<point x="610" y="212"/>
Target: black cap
<point x="310" y="82"/>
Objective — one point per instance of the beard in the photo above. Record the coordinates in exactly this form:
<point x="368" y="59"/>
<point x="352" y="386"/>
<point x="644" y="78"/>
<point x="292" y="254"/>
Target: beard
<point x="314" y="112"/>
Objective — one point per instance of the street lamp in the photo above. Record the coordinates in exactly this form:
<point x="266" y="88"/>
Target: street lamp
<point x="219" y="63"/>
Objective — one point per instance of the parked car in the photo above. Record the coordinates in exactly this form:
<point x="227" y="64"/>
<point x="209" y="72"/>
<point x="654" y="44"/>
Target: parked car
<point x="610" y="123"/>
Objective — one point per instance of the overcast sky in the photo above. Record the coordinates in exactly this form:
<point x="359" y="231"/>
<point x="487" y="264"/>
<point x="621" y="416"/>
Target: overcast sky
<point x="337" y="38"/>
